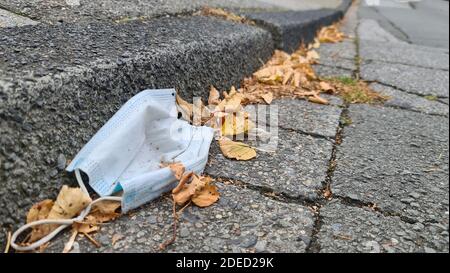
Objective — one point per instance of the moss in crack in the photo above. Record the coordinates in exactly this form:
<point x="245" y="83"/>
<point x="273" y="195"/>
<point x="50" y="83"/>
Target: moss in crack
<point x="355" y="91"/>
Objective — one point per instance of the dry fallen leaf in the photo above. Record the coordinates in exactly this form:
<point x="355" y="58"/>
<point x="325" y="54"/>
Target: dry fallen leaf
<point x="236" y="150"/>
<point x="116" y="238"/>
<point x="326" y="87"/>
<point x="185" y="108"/>
<point x="214" y="96"/>
<point x="268" y="97"/>
<point x="331" y="34"/>
<point x="103" y="211"/>
<point x="207" y="196"/>
<point x="319" y="100"/>
<point x="178" y="169"/>
<point x="186" y="188"/>
<point x="69" y="203"/>
<point x="231" y="103"/>
<point x="217" y="12"/>
<point x="236" y="124"/>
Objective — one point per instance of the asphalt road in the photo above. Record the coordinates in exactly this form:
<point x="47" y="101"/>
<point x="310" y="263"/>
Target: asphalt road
<point x="422" y="22"/>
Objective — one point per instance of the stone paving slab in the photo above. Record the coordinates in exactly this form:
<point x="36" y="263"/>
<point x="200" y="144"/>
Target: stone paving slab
<point x="60" y="84"/>
<point x="369" y="29"/>
<point x="296" y="169"/>
<point x="324" y="71"/>
<point x="242" y="221"/>
<point x="308" y="117"/>
<point x="337" y="51"/>
<point x="404" y="54"/>
<point x="396" y="159"/>
<point x="348" y="229"/>
<point x="422" y="81"/>
<point x="408" y="101"/>
<point x="9" y="19"/>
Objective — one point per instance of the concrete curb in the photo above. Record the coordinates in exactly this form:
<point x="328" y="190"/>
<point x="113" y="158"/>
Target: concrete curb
<point x="59" y="84"/>
<point x="291" y="28"/>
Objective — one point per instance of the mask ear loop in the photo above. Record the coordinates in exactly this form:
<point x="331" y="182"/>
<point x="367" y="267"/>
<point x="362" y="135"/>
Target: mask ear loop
<point x="63" y="222"/>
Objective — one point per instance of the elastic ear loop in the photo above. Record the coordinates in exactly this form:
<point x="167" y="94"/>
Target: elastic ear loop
<point x="63" y="222"/>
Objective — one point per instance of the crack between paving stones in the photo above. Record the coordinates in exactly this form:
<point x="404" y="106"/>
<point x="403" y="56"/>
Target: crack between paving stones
<point x="362" y="204"/>
<point x="267" y="192"/>
<point x="314" y="135"/>
<point x="18" y="13"/>
<point x="326" y="192"/>
<point x="314" y="246"/>
<point x="415" y="111"/>
<point x="408" y="92"/>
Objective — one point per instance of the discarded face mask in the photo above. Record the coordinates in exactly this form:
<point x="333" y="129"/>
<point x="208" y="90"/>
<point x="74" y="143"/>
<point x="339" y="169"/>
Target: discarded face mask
<point x="126" y="155"/>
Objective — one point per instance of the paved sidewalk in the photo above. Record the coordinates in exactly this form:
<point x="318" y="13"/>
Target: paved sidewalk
<point x="386" y="165"/>
<point x="387" y="170"/>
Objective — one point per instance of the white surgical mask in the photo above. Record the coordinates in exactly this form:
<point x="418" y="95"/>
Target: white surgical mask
<point x="127" y="152"/>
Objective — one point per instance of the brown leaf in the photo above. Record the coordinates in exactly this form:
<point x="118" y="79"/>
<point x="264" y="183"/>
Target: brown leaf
<point x="189" y="184"/>
<point x="236" y="150"/>
<point x="104" y="211"/>
<point x="317" y="99"/>
<point x="185" y="108"/>
<point x="206" y="196"/>
<point x="326" y="87"/>
<point x="178" y="169"/>
<point x="214" y="96"/>
<point x="231" y="103"/>
<point x="39" y="211"/>
<point x="268" y="98"/>
<point x="69" y="203"/>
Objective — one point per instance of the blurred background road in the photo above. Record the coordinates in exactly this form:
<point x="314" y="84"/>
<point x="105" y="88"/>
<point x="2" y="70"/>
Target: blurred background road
<point x="424" y="22"/>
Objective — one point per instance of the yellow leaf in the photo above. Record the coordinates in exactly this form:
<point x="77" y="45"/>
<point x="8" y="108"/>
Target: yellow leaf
<point x="207" y="196"/>
<point x="185" y="108"/>
<point x="236" y="150"/>
<point x="312" y="56"/>
<point x="214" y="96"/>
<point x="236" y="124"/>
<point x="268" y="98"/>
<point x="69" y="203"/>
<point x="231" y="103"/>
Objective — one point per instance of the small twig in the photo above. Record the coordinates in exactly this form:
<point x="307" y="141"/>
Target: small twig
<point x="164" y="245"/>
<point x="8" y="242"/>
<point x="69" y="244"/>
<point x="97" y="244"/>
<point x="182" y="209"/>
